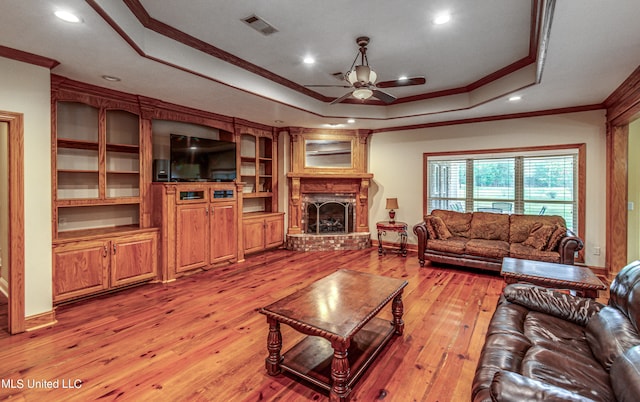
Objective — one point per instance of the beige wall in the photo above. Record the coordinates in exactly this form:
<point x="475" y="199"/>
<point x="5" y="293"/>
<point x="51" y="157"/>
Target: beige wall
<point x="4" y="206"/>
<point x="26" y="89"/>
<point x="396" y="160"/>
<point x="633" y="230"/>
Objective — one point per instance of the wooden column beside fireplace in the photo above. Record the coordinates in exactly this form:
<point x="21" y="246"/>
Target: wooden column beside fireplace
<point x="326" y="163"/>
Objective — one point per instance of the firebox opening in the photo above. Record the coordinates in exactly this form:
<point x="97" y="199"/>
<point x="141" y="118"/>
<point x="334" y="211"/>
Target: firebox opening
<point x="328" y="213"/>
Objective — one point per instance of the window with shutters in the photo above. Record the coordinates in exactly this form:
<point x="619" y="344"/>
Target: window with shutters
<point x="533" y="182"/>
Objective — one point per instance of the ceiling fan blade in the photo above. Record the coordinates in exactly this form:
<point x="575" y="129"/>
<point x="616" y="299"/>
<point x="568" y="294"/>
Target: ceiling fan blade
<point x="328" y="86"/>
<point x="340" y="99"/>
<point x="383" y="96"/>
<point x="402" y="83"/>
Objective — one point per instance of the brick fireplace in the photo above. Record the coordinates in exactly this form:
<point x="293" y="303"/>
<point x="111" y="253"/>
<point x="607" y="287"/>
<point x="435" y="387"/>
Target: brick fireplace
<point x="328" y="206"/>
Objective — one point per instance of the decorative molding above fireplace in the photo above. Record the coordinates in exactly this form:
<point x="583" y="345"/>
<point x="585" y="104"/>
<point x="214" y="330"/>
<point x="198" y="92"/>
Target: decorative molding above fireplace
<point x="339" y="167"/>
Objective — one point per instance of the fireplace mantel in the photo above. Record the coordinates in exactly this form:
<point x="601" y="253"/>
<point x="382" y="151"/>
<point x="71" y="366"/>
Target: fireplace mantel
<point x="342" y="178"/>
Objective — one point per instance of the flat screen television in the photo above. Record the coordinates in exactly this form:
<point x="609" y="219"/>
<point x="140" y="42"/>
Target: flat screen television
<point x="202" y="159"/>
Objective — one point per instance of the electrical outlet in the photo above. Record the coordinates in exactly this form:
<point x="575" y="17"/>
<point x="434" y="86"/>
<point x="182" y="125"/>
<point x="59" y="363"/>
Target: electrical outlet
<point x="630" y="205"/>
<point x="596" y="251"/>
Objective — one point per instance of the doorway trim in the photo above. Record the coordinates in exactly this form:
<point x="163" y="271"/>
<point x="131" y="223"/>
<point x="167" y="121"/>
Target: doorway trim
<point x="15" y="141"/>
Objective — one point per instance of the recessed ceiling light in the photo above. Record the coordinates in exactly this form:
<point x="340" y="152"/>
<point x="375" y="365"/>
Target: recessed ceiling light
<point x="351" y="121"/>
<point x="67" y="16"/>
<point x="278" y="121"/>
<point x="308" y="60"/>
<point x="110" y="78"/>
<point x="403" y="78"/>
<point x="334" y="125"/>
<point x="515" y="98"/>
<point x="442" y="18"/>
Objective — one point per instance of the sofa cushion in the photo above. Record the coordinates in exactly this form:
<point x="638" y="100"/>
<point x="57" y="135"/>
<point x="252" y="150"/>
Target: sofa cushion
<point x="519" y="250"/>
<point x="584" y="377"/>
<point x="510" y="386"/>
<point x="489" y="226"/>
<point x="440" y="229"/>
<point x="455" y="245"/>
<point x="610" y="334"/>
<point x="520" y="225"/>
<point x="625" y="376"/>
<point x="487" y="248"/>
<point x="557" y="235"/>
<point x="431" y="232"/>
<point x="539" y="236"/>
<point x="458" y="223"/>
<point x="557" y="334"/>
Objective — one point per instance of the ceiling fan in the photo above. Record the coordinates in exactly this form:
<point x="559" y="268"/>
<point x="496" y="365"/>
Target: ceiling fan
<point x="362" y="79"/>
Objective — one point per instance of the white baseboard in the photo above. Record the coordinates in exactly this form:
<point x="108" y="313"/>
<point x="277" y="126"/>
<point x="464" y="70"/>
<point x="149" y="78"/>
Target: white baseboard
<point x="4" y="287"/>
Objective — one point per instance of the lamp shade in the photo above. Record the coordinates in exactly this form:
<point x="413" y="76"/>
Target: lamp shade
<point x="392" y="203"/>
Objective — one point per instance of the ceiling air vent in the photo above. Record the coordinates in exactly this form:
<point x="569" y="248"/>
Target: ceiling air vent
<point x="260" y="25"/>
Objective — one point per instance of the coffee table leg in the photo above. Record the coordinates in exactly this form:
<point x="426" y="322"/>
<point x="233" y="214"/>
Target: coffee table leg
<point x="340" y="372"/>
<point x="274" y="345"/>
<point x="397" y="309"/>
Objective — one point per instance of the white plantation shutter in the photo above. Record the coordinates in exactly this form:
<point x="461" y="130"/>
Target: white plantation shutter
<point x="532" y="183"/>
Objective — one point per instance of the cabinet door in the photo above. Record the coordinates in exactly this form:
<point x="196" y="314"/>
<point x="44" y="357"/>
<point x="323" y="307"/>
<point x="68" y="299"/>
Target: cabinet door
<point x="192" y="236"/>
<point x="133" y="258"/>
<point x="274" y="231"/>
<point x="253" y="232"/>
<point x="222" y="230"/>
<point x="80" y="268"/>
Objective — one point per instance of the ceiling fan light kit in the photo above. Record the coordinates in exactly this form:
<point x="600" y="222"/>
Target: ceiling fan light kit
<point x="363" y="79"/>
<point x="362" y="93"/>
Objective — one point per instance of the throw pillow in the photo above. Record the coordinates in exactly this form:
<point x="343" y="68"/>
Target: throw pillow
<point x="549" y="301"/>
<point x="557" y="235"/>
<point x="441" y="229"/>
<point x="539" y="236"/>
<point x="431" y="232"/>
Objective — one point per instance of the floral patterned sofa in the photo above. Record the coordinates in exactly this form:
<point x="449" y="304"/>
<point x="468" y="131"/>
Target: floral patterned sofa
<point x="482" y="239"/>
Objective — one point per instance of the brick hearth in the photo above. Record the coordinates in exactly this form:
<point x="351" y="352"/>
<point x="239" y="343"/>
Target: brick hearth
<point x="328" y="242"/>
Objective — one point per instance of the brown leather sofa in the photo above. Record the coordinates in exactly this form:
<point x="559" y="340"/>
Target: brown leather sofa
<point x="547" y="345"/>
<point x="482" y="239"/>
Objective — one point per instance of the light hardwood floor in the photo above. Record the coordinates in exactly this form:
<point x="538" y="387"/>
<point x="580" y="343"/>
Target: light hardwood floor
<point x="200" y="338"/>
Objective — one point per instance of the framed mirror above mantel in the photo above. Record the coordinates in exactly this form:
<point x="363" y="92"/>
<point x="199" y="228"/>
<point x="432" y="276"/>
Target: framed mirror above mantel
<point x="328" y="152"/>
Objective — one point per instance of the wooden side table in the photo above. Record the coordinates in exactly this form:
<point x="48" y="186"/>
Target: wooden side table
<point x="398" y="227"/>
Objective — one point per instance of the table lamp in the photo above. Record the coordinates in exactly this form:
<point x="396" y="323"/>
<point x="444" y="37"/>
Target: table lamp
<point x="392" y="203"/>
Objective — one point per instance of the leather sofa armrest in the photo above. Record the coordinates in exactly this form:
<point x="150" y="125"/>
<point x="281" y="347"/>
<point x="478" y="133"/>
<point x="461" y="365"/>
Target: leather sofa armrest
<point x="421" y="231"/>
<point x="569" y="245"/>
<point x="625" y="375"/>
<point x="549" y="301"/>
<point x="513" y="387"/>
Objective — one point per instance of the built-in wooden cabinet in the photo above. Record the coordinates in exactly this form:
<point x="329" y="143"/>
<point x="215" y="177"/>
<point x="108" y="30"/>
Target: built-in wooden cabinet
<point x="113" y="227"/>
<point x="257" y="166"/>
<point x="199" y="224"/>
<point x="96" y="262"/>
<point x="99" y="240"/>
<point x="262" y="231"/>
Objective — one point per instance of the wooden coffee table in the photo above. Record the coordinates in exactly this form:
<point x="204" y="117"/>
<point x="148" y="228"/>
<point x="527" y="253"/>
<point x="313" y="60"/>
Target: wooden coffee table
<point x="561" y="276"/>
<point x="338" y="312"/>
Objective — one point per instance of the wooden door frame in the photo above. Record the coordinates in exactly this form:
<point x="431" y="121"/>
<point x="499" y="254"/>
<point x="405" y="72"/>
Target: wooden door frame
<point x="623" y="107"/>
<point x="16" y="220"/>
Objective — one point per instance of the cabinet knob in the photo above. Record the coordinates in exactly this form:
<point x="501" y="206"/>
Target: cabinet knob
<point x="104" y="254"/>
<point x="114" y="249"/>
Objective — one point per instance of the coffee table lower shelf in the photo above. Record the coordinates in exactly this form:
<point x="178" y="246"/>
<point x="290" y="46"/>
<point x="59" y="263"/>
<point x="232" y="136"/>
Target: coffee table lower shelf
<point x="311" y="358"/>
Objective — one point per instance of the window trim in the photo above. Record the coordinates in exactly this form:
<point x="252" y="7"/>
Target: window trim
<point x="582" y="175"/>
